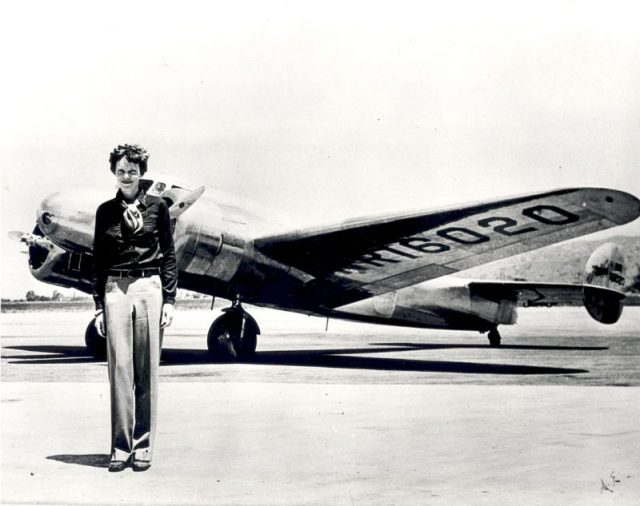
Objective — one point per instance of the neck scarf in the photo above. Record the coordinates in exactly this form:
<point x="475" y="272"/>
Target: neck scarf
<point x="132" y="216"/>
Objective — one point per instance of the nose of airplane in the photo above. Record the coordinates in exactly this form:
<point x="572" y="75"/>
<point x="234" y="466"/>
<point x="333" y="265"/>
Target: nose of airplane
<point x="67" y="218"/>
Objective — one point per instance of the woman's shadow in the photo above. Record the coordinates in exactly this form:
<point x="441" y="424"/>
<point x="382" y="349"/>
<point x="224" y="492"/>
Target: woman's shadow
<point x="94" y="460"/>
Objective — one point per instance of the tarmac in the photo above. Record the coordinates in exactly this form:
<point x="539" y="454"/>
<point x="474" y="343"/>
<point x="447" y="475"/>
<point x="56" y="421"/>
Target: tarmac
<point x="356" y="415"/>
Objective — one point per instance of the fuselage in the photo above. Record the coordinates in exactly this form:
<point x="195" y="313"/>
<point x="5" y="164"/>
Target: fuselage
<point x="213" y="238"/>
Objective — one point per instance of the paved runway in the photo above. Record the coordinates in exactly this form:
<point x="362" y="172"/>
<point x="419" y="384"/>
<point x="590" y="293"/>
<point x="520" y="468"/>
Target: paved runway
<point x="357" y="415"/>
<point x="558" y="346"/>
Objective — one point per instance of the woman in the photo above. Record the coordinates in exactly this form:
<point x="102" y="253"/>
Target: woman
<point x="135" y="280"/>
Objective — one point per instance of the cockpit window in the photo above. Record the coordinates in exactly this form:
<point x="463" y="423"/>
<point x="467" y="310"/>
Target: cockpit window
<point x="156" y="188"/>
<point x="163" y="188"/>
<point x="159" y="187"/>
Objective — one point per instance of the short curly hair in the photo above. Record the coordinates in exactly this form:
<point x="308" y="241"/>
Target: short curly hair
<point x="134" y="153"/>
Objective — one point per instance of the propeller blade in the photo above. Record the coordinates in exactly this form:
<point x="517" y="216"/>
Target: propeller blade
<point x="16" y="235"/>
<point x="30" y="239"/>
<point x="185" y="202"/>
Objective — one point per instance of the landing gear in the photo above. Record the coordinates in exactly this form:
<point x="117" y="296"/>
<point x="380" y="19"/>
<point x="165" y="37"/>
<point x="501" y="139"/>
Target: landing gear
<point x="233" y="336"/>
<point x="494" y="337"/>
<point x="96" y="344"/>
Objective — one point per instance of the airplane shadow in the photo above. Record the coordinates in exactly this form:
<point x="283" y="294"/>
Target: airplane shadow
<point x="345" y="359"/>
<point x="340" y="359"/>
<point x="337" y="358"/>
<point x="51" y="354"/>
<point x="91" y="460"/>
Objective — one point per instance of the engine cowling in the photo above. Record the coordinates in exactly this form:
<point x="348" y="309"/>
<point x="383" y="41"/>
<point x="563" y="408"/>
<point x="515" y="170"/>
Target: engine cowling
<point x="603" y="291"/>
<point x="51" y="264"/>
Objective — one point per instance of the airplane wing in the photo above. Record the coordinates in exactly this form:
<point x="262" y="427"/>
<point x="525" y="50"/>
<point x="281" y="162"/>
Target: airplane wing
<point x="371" y="256"/>
<point x="526" y="293"/>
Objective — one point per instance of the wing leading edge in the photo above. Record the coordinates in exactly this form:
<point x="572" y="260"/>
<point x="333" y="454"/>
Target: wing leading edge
<point x="372" y="256"/>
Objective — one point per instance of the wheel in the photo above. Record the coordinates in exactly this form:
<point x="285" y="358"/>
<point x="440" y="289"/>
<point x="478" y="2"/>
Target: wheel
<point x="494" y="337"/>
<point x="96" y="344"/>
<point x="231" y="339"/>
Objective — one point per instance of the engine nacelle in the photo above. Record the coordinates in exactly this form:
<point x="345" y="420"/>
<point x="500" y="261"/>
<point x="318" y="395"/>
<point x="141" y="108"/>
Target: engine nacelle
<point x="604" y="284"/>
<point x="51" y="264"/>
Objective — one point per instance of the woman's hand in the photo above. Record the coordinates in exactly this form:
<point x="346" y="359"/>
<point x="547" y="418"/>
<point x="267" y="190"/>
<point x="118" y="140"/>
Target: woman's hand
<point x="167" y="315"/>
<point x="99" y="324"/>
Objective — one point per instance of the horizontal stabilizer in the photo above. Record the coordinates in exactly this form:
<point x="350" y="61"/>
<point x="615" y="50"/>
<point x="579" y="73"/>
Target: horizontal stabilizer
<point x="527" y="294"/>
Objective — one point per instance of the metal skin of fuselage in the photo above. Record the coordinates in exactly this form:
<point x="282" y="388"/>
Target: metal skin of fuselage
<point x="374" y="270"/>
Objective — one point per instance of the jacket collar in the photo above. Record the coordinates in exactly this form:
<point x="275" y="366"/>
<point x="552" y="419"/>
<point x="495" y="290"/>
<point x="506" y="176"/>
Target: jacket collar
<point x="141" y="196"/>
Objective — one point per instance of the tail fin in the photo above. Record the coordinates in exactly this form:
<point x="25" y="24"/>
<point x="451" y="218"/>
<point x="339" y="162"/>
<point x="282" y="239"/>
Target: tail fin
<point x="603" y="290"/>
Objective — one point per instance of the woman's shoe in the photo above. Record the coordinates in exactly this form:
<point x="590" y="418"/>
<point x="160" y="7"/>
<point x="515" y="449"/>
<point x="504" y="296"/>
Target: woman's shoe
<point x="115" y="466"/>
<point x="140" y="465"/>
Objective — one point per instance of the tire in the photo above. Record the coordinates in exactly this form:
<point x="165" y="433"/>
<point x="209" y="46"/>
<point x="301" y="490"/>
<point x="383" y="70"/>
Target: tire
<point x="224" y="341"/>
<point x="96" y="344"/>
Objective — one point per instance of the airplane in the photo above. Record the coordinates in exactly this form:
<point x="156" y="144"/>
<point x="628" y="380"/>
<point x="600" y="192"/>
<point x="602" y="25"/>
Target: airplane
<point x="392" y="269"/>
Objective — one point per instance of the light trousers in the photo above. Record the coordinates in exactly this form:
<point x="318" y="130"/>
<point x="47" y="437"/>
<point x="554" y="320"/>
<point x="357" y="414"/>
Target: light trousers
<point x="133" y="309"/>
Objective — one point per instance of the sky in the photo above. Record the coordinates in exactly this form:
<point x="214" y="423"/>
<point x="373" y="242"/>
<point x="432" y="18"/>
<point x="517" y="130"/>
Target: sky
<point x="320" y="110"/>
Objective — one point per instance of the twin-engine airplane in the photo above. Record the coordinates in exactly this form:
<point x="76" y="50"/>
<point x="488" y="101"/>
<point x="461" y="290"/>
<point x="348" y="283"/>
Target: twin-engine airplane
<point x="389" y="269"/>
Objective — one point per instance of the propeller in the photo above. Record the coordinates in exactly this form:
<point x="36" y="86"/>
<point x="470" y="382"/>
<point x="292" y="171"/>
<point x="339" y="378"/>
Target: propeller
<point x="23" y="237"/>
<point x="30" y="239"/>
<point x="16" y="235"/>
<point x="184" y="203"/>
